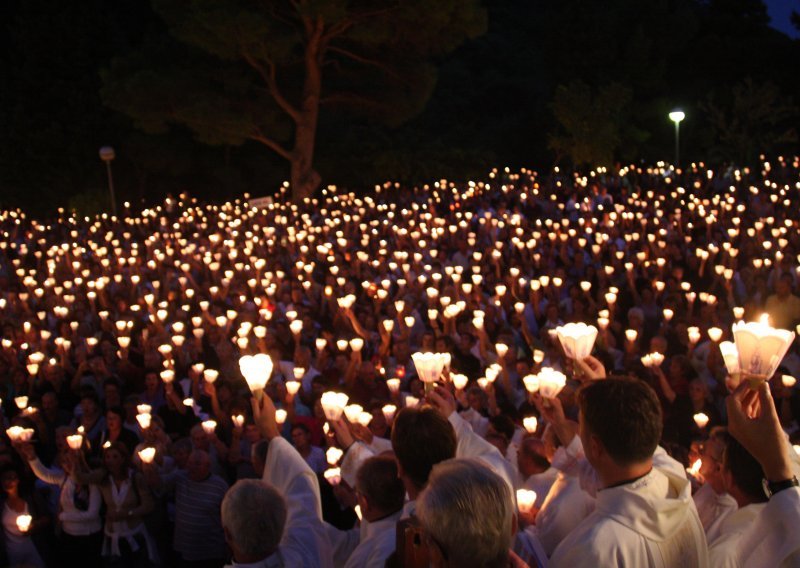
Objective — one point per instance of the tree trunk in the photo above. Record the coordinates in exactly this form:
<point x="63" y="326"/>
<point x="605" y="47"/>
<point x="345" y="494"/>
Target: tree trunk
<point x="305" y="180"/>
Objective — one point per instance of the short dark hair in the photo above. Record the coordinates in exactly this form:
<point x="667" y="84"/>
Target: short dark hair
<point x="503" y="425"/>
<point x="421" y="438"/>
<point x="625" y="414"/>
<point x="745" y="470"/>
<point x="528" y="448"/>
<point x="377" y="481"/>
<point x="301" y="426"/>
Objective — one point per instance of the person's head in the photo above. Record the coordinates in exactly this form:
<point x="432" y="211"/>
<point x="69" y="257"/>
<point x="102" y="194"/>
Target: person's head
<point x="151" y="383"/>
<point x="90" y="405"/>
<point x="532" y="457"/>
<point x="301" y="436"/>
<point x="620" y="424"/>
<point x="783" y="285"/>
<point x="181" y="450"/>
<point x="9" y="479"/>
<point x="115" y="417"/>
<point x="421" y="438"/>
<point x="112" y="392"/>
<point x="50" y="403"/>
<point x="380" y="491"/>
<point x="698" y="391"/>
<point x="467" y="513"/>
<point x="258" y="456"/>
<point x="199" y="465"/>
<point x="711" y="463"/>
<point x="116" y="458"/>
<point x="253" y="519"/>
<point x="742" y="475"/>
<point x="199" y="438"/>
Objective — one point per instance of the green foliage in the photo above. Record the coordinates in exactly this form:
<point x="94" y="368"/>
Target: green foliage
<point x="237" y="71"/>
<point x="591" y="122"/>
<point x="752" y="119"/>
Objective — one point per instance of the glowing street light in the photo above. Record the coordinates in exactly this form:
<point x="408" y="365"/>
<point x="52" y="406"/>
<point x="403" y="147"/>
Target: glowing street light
<point x="677" y="116"/>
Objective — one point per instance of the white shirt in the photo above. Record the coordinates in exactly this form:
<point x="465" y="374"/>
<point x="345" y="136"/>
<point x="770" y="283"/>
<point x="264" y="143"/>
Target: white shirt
<point x="541" y="484"/>
<point x="651" y="522"/>
<point x="74" y="521"/>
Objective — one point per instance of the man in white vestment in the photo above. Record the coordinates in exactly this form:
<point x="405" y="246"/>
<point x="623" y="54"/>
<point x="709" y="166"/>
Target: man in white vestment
<point x="276" y="522"/>
<point x="713" y="502"/>
<point x="772" y="538"/>
<point x="380" y="495"/>
<point x="534" y="468"/>
<point x="644" y="516"/>
<point x="742" y="477"/>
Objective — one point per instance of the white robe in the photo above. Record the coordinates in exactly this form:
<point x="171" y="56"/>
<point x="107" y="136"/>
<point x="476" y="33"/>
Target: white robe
<point x="564" y="508"/>
<point x="713" y="509"/>
<point x="722" y="551"/>
<point x="378" y="541"/>
<point x="305" y="541"/>
<point x="470" y="445"/>
<point x="541" y="484"/>
<point x="651" y="522"/>
<point x="773" y="539"/>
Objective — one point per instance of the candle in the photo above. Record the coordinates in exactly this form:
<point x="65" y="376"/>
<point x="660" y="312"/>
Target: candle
<point x="631" y="335"/>
<point x="695" y="469"/>
<point x="701" y="420"/>
<point x="761" y="347"/>
<point x="333" y="404"/>
<point x="147" y="454"/>
<point x="351" y="411"/>
<point x="577" y="339"/>
<point x="143" y="409"/>
<point x="526" y="499"/>
<point x="551" y="382"/>
<point x="21" y="401"/>
<point x="333" y="476"/>
<point x="296" y="327"/>
<point x="668" y="313"/>
<point x="531" y="383"/>
<point x="394" y="385"/>
<point x="75" y="441"/>
<point x="238" y="420"/>
<point x="256" y="370"/>
<point x="715" y="334"/>
<point x="788" y="381"/>
<point x="167" y="375"/>
<point x="531" y="423"/>
<point x="24" y="522"/>
<point x="333" y="455"/>
<point x="280" y="416"/>
<point x="389" y="411"/>
<point x="144" y="420"/>
<point x="694" y="334"/>
<point x="356" y="344"/>
<point x="459" y="380"/>
<point x="429" y="367"/>
<point x="292" y="387"/>
<point x="209" y="426"/>
<point x="411" y="401"/>
<point x="364" y="418"/>
<point x="210" y="375"/>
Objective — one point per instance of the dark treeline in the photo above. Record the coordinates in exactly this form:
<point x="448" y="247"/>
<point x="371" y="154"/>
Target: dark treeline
<point x="530" y="83"/>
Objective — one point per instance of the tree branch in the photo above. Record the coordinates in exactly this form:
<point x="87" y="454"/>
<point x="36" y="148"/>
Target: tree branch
<point x="270" y="78"/>
<point x="270" y="143"/>
<point x="361" y="59"/>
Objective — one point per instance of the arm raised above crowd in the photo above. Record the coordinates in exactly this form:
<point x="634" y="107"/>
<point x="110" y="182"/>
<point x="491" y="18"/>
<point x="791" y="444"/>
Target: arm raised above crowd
<point x="305" y="541"/>
<point x="470" y="444"/>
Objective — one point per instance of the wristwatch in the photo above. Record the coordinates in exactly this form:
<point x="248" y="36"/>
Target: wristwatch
<point x="773" y="487"/>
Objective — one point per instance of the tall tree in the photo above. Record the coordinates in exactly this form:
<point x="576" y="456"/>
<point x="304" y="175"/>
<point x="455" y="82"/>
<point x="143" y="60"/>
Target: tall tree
<point x="235" y="71"/>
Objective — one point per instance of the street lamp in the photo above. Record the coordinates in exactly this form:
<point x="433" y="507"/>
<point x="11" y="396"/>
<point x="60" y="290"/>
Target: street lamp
<point x="107" y="154"/>
<point x="677" y="116"/>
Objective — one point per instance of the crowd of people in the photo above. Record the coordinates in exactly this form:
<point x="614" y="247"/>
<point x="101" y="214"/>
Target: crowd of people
<point x="135" y="436"/>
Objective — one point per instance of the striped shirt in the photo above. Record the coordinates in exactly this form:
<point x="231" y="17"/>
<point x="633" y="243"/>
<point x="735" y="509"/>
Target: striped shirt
<point x="198" y="524"/>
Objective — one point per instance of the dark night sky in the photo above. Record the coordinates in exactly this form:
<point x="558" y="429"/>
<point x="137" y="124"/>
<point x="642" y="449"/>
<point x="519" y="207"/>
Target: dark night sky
<point x="780" y="11"/>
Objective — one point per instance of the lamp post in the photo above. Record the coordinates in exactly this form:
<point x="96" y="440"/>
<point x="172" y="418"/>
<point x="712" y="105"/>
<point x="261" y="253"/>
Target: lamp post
<point x="677" y="116"/>
<point x="107" y="154"/>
